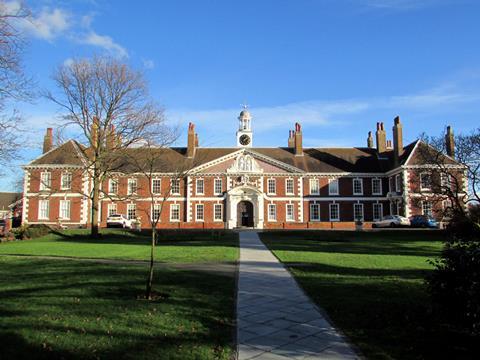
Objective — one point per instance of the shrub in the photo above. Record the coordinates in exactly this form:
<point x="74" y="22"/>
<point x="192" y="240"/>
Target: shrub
<point x="25" y="232"/>
<point x="455" y="282"/>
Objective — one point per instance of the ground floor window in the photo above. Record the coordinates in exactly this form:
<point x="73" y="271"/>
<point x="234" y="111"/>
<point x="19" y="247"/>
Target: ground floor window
<point x="358" y="212"/>
<point x="289" y="213"/>
<point x="314" y="212"/>
<point x="427" y="208"/>
<point x="218" y="212"/>
<point x="199" y="212"/>
<point x="377" y="212"/>
<point x="334" y="212"/>
<point x="175" y="212"/>
<point x="131" y="211"/>
<point x="112" y="209"/>
<point x="64" y="209"/>
<point x="43" y="209"/>
<point x="156" y="210"/>
<point x="272" y="212"/>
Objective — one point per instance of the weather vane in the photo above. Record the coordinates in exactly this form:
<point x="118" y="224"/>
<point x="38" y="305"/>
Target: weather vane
<point x="244" y="105"/>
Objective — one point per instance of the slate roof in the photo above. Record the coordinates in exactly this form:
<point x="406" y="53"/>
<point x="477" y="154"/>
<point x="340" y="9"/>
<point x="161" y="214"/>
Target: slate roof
<point x="326" y="160"/>
<point x="8" y="198"/>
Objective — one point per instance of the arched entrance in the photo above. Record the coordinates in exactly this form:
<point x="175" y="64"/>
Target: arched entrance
<point x="245" y="214"/>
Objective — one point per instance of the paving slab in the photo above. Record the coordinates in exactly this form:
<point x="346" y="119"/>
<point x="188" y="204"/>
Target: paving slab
<point x="276" y="320"/>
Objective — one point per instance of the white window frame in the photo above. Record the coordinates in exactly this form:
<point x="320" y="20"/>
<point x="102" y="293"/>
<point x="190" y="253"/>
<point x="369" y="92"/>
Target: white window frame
<point x="287" y="190"/>
<point x="173" y="208"/>
<point x="132" y="186"/>
<point x="379" y="181"/>
<point x="398" y="185"/>
<point x="314" y="186"/>
<point x="430" y="211"/>
<point x="217" y="182"/>
<point x="45" y="181"/>
<point x="200" y="189"/>
<point x="155" y="208"/>
<point x="330" y="182"/>
<point x="289" y="215"/>
<point x="199" y="206"/>
<point x="272" y="212"/>
<point x="129" y="208"/>
<point x="64" y="210"/>
<point x="356" y="181"/>
<point x="314" y="205"/>
<point x="422" y="188"/>
<point x="111" y="209"/>
<point x="112" y="186"/>
<point x="175" y="185"/>
<point x="158" y="182"/>
<point x="355" y="206"/>
<point x="337" y="206"/>
<point x="66" y="175"/>
<point x="269" y="182"/>
<point x="446" y="181"/>
<point x="43" y="211"/>
<point x="380" y="207"/>
<point x="215" y="217"/>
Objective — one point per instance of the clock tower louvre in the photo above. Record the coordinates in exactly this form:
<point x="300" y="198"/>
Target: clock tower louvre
<point x="244" y="132"/>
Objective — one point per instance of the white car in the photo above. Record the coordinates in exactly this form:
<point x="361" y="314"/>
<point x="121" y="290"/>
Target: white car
<point x="118" y="220"/>
<point x="392" y="221"/>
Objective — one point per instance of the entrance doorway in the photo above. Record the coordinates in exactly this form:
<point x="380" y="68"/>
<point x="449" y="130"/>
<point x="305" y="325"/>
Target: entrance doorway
<point x="245" y="214"/>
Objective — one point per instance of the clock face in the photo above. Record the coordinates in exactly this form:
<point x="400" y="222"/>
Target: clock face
<point x="244" y="139"/>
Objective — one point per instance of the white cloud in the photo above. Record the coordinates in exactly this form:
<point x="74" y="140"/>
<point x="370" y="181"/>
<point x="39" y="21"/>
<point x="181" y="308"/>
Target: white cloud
<point x="148" y="64"/>
<point x="105" y="42"/>
<point x="49" y="23"/>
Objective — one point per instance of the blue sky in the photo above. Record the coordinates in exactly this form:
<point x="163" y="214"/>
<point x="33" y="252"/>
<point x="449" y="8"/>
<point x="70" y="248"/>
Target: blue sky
<point x="335" y="66"/>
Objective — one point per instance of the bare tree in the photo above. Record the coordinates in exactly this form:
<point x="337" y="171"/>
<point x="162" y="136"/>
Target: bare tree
<point x="454" y="174"/>
<point x="108" y="102"/>
<point x="14" y="85"/>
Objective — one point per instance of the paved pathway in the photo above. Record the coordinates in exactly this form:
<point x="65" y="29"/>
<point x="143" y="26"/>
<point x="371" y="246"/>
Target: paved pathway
<point x="276" y="320"/>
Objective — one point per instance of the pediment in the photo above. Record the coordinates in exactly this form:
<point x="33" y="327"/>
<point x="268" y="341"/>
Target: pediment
<point x="246" y="162"/>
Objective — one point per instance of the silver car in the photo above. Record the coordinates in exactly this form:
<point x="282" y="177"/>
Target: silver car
<point x="118" y="220"/>
<point x="392" y="221"/>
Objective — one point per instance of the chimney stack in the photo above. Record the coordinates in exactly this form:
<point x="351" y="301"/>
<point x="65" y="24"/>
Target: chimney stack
<point x="196" y="140"/>
<point x="397" y="140"/>
<point x="48" y="141"/>
<point x="94" y="132"/>
<point x="191" y="140"/>
<point x="370" y="140"/>
<point x="291" y="140"/>
<point x="381" y="138"/>
<point x="298" y="140"/>
<point x="450" y="142"/>
<point x="111" y="137"/>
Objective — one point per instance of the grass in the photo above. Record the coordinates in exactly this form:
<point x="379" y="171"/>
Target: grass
<point x="372" y="286"/>
<point x="174" y="246"/>
<point x="64" y="309"/>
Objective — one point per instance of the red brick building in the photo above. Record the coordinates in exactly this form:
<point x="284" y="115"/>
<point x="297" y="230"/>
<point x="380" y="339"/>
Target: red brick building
<point x="284" y="187"/>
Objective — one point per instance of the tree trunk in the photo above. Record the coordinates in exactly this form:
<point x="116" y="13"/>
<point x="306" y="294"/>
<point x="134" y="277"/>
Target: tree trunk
<point x="95" y="202"/>
<point x="148" y="290"/>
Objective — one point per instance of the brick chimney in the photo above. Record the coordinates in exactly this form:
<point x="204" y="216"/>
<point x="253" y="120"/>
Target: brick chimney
<point x="48" y="140"/>
<point x="389" y="145"/>
<point x="94" y="131"/>
<point x="191" y="140"/>
<point x="397" y="140"/>
<point x="381" y="138"/>
<point x="370" y="140"/>
<point x="298" y="147"/>
<point x="196" y="140"/>
<point x="450" y="142"/>
<point x="111" y="137"/>
<point x="291" y="139"/>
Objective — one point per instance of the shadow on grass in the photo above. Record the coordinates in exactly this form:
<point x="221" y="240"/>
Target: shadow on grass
<point x="165" y="237"/>
<point x="68" y="310"/>
<point x="347" y="242"/>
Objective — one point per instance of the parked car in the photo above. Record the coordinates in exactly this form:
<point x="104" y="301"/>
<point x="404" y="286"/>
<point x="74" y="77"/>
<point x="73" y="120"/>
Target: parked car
<point x="119" y="220"/>
<point x="423" y="221"/>
<point x="392" y="221"/>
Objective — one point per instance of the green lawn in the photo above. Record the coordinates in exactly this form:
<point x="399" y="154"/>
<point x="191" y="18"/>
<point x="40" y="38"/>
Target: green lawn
<point x="372" y="286"/>
<point x="65" y="309"/>
<point x="175" y="246"/>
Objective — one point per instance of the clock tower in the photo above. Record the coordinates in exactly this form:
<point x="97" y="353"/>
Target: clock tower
<point x="244" y="132"/>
